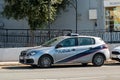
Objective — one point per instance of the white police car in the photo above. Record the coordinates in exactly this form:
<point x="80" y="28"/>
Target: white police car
<point x="116" y="54"/>
<point x="67" y="49"/>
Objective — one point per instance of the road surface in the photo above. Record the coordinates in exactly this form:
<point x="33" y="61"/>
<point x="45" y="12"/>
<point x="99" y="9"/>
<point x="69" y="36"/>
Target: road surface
<point x="71" y="72"/>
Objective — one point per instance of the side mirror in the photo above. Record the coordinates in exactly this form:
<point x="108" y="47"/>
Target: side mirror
<point x="59" y="46"/>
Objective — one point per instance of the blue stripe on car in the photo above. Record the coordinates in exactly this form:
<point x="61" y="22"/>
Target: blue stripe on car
<point x="88" y="52"/>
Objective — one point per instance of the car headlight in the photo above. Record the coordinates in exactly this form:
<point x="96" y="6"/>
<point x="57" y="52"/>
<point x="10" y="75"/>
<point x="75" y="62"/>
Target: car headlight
<point x="32" y="53"/>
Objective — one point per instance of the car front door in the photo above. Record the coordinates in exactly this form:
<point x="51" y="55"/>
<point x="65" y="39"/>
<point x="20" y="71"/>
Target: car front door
<point x="65" y="49"/>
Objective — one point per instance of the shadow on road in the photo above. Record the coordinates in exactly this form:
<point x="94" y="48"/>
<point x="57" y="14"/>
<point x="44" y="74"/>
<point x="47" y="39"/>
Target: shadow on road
<point x="19" y="67"/>
<point x="113" y="64"/>
<point x="53" y="67"/>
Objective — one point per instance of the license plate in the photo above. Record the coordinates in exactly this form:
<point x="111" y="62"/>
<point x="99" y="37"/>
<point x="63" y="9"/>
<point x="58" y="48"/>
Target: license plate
<point x="119" y="56"/>
<point x="114" y="56"/>
<point x="21" y="58"/>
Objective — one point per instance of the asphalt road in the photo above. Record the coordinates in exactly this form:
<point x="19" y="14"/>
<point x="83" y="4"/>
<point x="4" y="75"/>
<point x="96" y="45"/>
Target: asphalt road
<point x="70" y="72"/>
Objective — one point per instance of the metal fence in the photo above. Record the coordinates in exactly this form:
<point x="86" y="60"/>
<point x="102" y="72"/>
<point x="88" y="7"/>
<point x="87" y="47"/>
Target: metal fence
<point x="26" y="37"/>
<point x="108" y="37"/>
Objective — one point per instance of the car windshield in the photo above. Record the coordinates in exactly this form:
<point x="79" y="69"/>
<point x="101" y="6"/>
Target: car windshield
<point x="52" y="42"/>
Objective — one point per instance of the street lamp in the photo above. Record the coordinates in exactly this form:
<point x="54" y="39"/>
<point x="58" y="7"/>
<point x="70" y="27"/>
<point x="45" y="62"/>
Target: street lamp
<point x="76" y="14"/>
<point x="76" y="8"/>
<point x="49" y="5"/>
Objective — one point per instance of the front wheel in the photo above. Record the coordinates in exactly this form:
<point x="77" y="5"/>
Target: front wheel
<point x="45" y="62"/>
<point x="98" y="60"/>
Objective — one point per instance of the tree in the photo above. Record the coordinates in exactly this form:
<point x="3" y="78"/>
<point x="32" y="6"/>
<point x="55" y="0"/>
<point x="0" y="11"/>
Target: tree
<point x="34" y="11"/>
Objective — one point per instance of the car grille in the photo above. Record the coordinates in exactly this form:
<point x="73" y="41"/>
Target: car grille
<point x="115" y="52"/>
<point x="23" y="53"/>
<point x="28" y="61"/>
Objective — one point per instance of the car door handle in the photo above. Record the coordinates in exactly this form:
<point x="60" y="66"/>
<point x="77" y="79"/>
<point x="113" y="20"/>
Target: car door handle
<point x="91" y="48"/>
<point x="73" y="49"/>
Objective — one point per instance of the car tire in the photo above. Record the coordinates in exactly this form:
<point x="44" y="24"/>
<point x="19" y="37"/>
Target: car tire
<point x="98" y="60"/>
<point x="45" y="62"/>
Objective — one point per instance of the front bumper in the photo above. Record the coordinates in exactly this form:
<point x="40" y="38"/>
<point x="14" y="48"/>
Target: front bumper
<point x="26" y="60"/>
<point x="115" y="57"/>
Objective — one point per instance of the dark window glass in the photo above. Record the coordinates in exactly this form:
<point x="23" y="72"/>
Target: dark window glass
<point x="85" y="41"/>
<point x="68" y="42"/>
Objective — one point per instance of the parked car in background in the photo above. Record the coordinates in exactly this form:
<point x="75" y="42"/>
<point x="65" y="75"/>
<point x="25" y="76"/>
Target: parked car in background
<point x="72" y="48"/>
<point x="116" y="54"/>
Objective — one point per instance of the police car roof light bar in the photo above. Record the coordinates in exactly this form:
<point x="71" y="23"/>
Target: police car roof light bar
<point x="72" y="34"/>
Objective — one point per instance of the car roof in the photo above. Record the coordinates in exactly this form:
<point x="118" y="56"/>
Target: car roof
<point x="78" y="36"/>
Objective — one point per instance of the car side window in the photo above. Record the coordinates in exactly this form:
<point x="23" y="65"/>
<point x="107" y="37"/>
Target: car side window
<point x="85" y="41"/>
<point x="68" y="42"/>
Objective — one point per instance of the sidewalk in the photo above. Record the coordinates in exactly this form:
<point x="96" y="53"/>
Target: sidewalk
<point x="9" y="63"/>
<point x="110" y="61"/>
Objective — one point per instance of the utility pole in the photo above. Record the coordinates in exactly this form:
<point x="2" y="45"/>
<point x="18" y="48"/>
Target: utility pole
<point x="76" y="15"/>
<point x="49" y="22"/>
<point x="75" y="6"/>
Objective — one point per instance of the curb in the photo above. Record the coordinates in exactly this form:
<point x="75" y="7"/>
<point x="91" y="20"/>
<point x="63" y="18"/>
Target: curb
<point x="10" y="63"/>
<point x="19" y="64"/>
<point x="110" y="61"/>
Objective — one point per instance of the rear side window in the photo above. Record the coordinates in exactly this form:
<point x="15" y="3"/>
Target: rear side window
<point x="85" y="41"/>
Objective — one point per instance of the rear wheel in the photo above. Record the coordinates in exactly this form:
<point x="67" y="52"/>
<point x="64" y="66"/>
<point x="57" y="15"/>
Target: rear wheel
<point x="45" y="62"/>
<point x="98" y="60"/>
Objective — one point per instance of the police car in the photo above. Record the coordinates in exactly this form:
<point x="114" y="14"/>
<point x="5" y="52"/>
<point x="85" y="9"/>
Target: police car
<point x="67" y="49"/>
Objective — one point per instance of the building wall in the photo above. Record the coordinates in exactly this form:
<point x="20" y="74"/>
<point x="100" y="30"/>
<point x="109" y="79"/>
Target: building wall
<point x="11" y="23"/>
<point x="67" y="19"/>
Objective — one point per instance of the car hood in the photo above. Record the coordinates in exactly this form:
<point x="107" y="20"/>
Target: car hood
<point x="116" y="49"/>
<point x="40" y="49"/>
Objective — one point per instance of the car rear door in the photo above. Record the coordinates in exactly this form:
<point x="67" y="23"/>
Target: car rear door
<point x="85" y="49"/>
